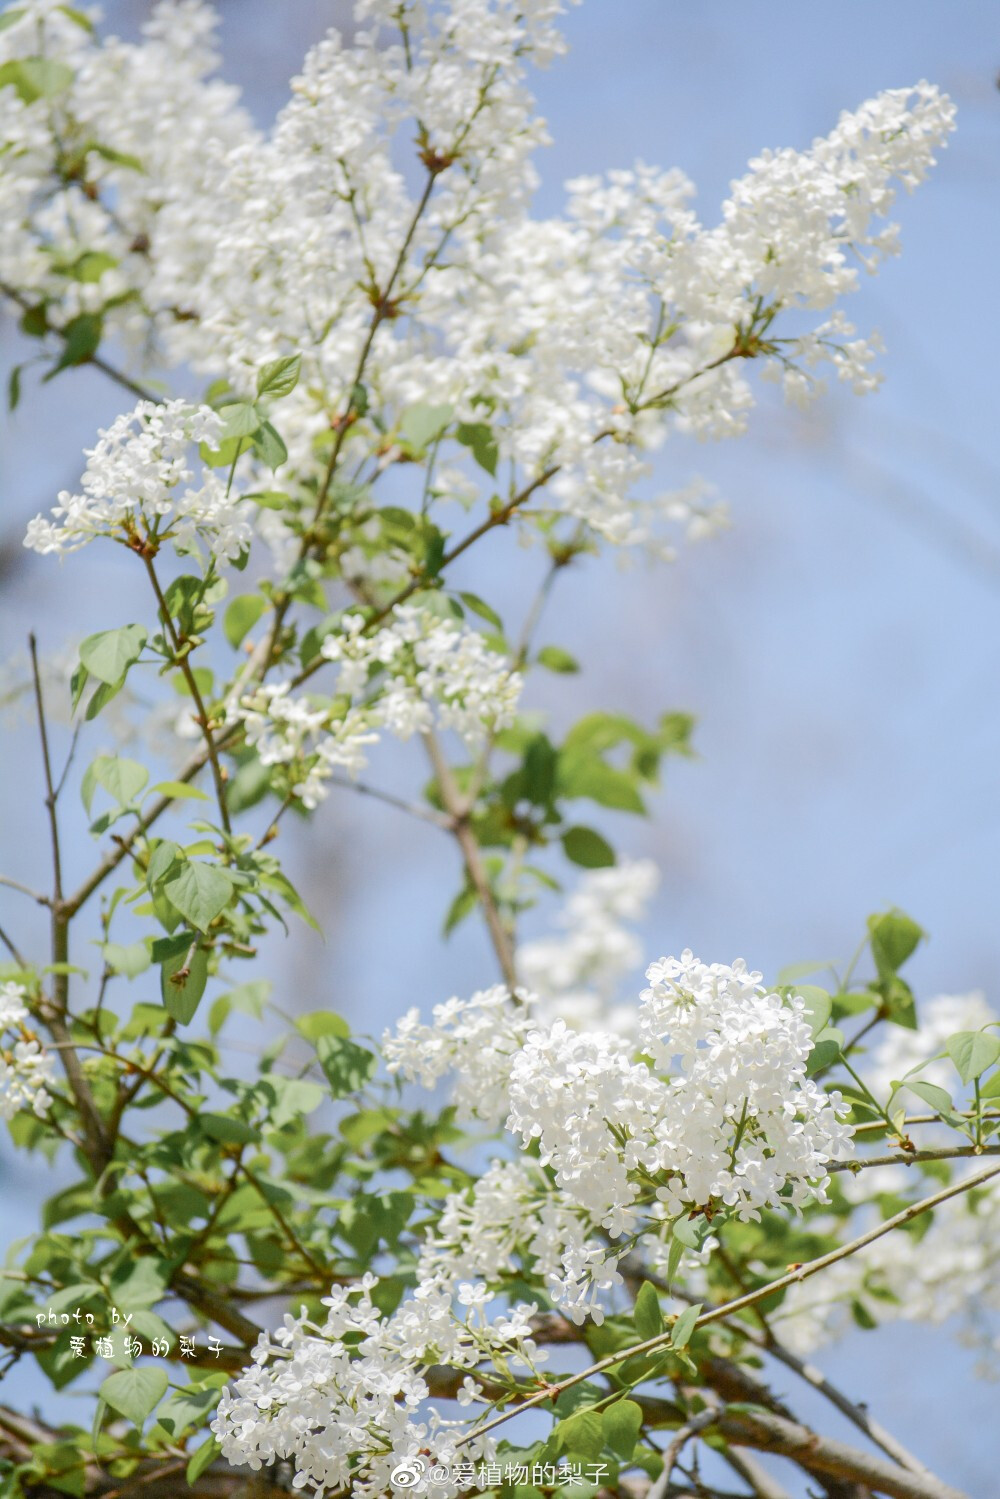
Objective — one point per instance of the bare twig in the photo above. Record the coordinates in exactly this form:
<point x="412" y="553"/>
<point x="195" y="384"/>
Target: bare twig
<point x="743" y="1303"/>
<point x="35" y="895"/>
<point x="458" y="809"/>
<point x="914" y="1157"/>
<point x="181" y="657"/>
<point x="426" y="814"/>
<point x="55" y="1015"/>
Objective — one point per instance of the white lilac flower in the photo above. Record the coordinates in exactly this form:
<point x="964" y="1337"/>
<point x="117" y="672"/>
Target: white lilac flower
<point x="219" y="246"/>
<point x="416" y="672"/>
<point x="577" y="973"/>
<point x="139" y="487"/>
<point x="25" y="1068"/>
<point x="716" y="1111"/>
<point x="345" y="1400"/>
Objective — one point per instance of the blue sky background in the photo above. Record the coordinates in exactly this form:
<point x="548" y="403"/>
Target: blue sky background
<point x="839" y="646"/>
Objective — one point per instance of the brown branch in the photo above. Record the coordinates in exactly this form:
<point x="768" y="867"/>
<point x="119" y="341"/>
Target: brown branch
<point x="96" y="360"/>
<point x="742" y="1303"/>
<point x="458" y="809"/>
<point x="182" y="659"/>
<point x="826" y="1457"/>
<point x="914" y="1157"/>
<point x="35" y="895"/>
<point x="54" y="1015"/>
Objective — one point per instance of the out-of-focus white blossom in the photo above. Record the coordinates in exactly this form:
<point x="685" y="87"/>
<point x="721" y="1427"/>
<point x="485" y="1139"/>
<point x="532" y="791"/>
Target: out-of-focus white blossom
<point x="577" y="974"/>
<point x="415" y="673"/>
<point x="899" y="1049"/>
<point x="25" y="1068"/>
<point x="587" y="338"/>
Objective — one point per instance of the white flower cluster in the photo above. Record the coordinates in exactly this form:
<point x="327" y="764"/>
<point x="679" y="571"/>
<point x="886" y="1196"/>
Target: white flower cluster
<point x="114" y="158"/>
<point x="417" y="672"/>
<point x="139" y="488"/>
<point x="25" y="1069"/>
<point x="343" y="1400"/>
<point x="738" y="1056"/>
<point x="474" y="1041"/>
<point x="438" y="672"/>
<point x="717" y="1110"/>
<point x="586" y="338"/>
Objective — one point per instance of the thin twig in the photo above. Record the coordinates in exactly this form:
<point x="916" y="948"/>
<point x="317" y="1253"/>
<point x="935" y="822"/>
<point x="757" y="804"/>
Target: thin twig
<point x="458" y="809"/>
<point x="426" y="814"/>
<point x="743" y="1303"/>
<point x="43" y="900"/>
<point x="55" y="1015"/>
<point x="182" y="660"/>
<point x="12" y="948"/>
<point x="914" y="1157"/>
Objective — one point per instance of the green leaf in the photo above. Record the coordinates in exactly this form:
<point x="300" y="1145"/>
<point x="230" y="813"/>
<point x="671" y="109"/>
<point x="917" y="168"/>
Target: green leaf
<point x="972" y="1053"/>
<point x="91" y="266"/>
<point x="188" y="1408"/>
<point x="206" y="1455"/>
<point x="182" y="983"/>
<point x="269" y="447"/>
<point x="294" y="1098"/>
<point x="131" y="960"/>
<point x="478" y="606"/>
<point x="14" y="387"/>
<point x="100" y="699"/>
<point x="646" y="1313"/>
<point x="162" y="860"/>
<point x="179" y="791"/>
<point x="893" y="938"/>
<point x="241" y="615"/>
<point x="939" y="1099"/>
<point x="100" y="1411"/>
<point x="81" y="340"/>
<point x="240" y="419"/>
<point x="554" y="658"/>
<point x="347" y="1066"/>
<point x="583" y="1432"/>
<point x="587" y="848"/>
<point x="36" y="77"/>
<point x="818" y="1006"/>
<point x="621" y="1424"/>
<point x="108" y="655"/>
<point x="582" y="775"/>
<point x="227" y="1130"/>
<point x="478" y="437"/>
<point x="421" y="424"/>
<point x="200" y="892"/>
<point x="134" y="1392"/>
<point x="117" y="158"/>
<point x="826" y="1050"/>
<point x="680" y="1334"/>
<point x="11" y="17"/>
<point x="463" y="905"/>
<point x="122" y="779"/>
<point x="78" y="17"/>
<point x="280" y="376"/>
<point x="321" y="1023"/>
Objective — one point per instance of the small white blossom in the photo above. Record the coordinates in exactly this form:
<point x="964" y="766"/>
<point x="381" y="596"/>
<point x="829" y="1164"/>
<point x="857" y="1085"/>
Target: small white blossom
<point x="25" y="1068"/>
<point x="139" y="488"/>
